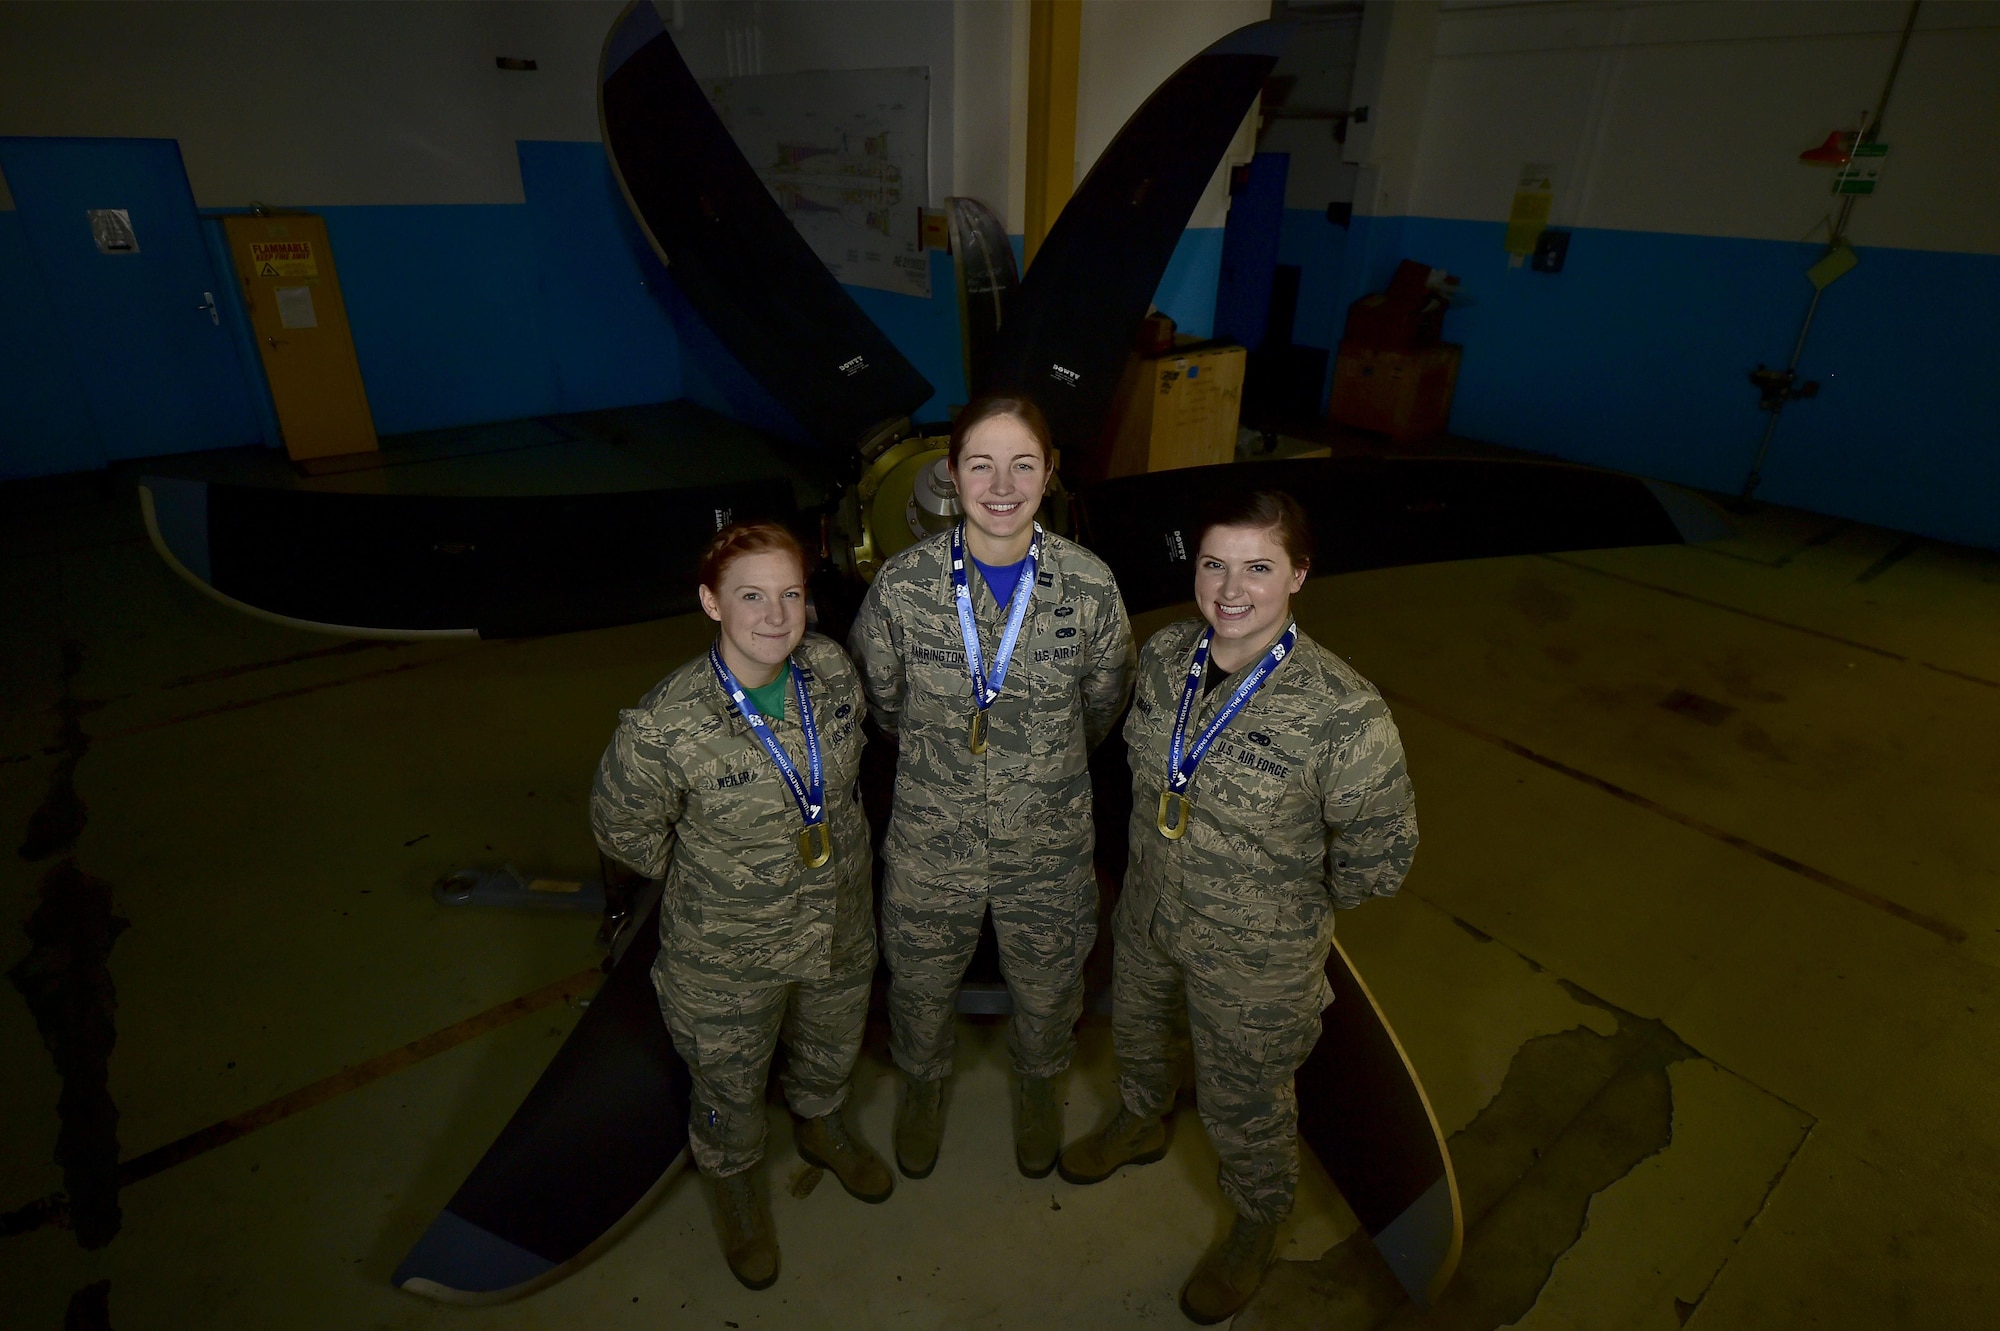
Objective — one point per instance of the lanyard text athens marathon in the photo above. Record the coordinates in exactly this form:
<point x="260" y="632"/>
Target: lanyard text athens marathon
<point x="984" y="691"/>
<point x="1182" y="758"/>
<point x="809" y="792"/>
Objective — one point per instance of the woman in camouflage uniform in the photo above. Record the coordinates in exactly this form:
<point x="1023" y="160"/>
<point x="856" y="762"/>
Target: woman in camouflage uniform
<point x="1268" y="790"/>
<point x="997" y="655"/>
<point x="766" y="924"/>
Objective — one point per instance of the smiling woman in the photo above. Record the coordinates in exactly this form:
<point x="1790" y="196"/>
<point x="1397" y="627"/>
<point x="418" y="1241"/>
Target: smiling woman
<point x="735" y="780"/>
<point x="1281" y="796"/>
<point x="998" y="655"/>
<point x="753" y="584"/>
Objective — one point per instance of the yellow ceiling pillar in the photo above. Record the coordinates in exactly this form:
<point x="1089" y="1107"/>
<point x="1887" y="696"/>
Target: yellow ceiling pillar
<point x="1054" y="39"/>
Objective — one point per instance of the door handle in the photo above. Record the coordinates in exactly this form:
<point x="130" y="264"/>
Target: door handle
<point x="208" y="303"/>
<point x="279" y="341"/>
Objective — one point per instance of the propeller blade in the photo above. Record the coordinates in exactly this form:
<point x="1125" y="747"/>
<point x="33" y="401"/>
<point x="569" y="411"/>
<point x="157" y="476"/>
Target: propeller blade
<point x="740" y="263"/>
<point x="414" y="566"/>
<point x="1081" y="302"/>
<point x="987" y="281"/>
<point x="1386" y="512"/>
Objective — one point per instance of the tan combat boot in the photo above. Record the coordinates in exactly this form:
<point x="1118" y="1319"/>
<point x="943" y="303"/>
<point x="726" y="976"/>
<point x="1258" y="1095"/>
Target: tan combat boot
<point x="1037" y="1126"/>
<point x="744" y="1226"/>
<point x="919" y="1126"/>
<point x="1126" y="1140"/>
<point x="826" y="1142"/>
<point x="1230" y="1274"/>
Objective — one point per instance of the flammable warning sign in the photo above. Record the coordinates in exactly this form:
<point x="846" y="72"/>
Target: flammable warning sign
<point x="282" y="258"/>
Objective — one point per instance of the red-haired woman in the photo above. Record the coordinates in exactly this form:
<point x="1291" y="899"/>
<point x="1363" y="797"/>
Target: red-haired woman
<point x="735" y="780"/>
<point x="1268" y="789"/>
<point x="998" y="655"/>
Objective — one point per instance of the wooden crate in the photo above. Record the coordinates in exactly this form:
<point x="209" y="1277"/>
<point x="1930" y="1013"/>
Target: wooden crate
<point x="1403" y="394"/>
<point x="1176" y="410"/>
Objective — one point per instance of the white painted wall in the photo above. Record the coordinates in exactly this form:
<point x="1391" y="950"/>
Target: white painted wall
<point x="1129" y="47"/>
<point x="289" y="103"/>
<point x="1320" y="60"/>
<point x="336" y="102"/>
<point x="988" y="140"/>
<point x="332" y="103"/>
<point x="1689" y="117"/>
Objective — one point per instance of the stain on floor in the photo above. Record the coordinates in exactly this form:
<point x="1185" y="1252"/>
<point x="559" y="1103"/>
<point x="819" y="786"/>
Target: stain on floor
<point x="66" y="980"/>
<point x="1577" y="1112"/>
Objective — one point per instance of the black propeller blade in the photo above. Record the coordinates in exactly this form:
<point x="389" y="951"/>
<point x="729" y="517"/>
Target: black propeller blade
<point x="1071" y="326"/>
<point x="1385" y="512"/>
<point x="732" y="252"/>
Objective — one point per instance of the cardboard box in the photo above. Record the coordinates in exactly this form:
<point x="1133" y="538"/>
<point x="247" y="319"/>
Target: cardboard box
<point x="1176" y="410"/>
<point x="1403" y="394"/>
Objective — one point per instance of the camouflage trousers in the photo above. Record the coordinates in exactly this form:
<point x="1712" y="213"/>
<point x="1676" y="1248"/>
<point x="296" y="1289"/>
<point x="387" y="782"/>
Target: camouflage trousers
<point x="727" y="1038"/>
<point x="1251" y="1022"/>
<point x="1045" y="926"/>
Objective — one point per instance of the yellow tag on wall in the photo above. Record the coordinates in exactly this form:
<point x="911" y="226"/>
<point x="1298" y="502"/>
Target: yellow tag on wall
<point x="1534" y="196"/>
<point x="282" y="258"/>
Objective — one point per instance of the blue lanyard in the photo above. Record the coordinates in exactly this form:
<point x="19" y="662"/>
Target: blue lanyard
<point x="983" y="690"/>
<point x="808" y="793"/>
<point x="1182" y="758"/>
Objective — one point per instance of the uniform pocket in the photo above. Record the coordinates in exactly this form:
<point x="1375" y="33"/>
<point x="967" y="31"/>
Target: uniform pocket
<point x="1281" y="1035"/>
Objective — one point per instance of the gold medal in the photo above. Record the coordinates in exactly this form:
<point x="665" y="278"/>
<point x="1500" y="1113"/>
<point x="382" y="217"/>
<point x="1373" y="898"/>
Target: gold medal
<point x="975" y="738"/>
<point x="815" y="846"/>
<point x="1174" y="811"/>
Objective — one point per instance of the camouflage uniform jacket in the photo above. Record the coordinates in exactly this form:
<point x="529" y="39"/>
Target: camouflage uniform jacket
<point x="1301" y="804"/>
<point x="684" y="790"/>
<point x="1069" y="677"/>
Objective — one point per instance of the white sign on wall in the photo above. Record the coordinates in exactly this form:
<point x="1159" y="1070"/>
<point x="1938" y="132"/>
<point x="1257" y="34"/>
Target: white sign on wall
<point x="846" y="155"/>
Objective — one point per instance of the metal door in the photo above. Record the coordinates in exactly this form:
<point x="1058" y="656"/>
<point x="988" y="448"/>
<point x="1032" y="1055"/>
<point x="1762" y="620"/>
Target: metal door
<point x="113" y="227"/>
<point x="300" y="323"/>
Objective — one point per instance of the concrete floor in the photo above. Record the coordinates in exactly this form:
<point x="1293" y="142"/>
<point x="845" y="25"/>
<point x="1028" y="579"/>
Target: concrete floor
<point x="1698" y="961"/>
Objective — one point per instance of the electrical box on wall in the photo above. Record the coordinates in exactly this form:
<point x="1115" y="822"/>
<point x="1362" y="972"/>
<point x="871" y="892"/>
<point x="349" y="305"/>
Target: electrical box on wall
<point x="1551" y="248"/>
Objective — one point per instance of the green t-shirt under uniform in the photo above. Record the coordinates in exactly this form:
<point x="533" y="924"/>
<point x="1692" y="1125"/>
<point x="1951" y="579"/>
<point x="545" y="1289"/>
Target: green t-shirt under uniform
<point x="770" y="700"/>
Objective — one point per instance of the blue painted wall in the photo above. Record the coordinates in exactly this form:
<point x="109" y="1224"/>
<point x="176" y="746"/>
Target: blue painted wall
<point x="1318" y="249"/>
<point x="1250" y="242"/>
<point x="1634" y="357"/>
<point x="445" y="304"/>
<point x="155" y="373"/>
<point x="461" y="314"/>
<point x="609" y="338"/>
<point x="482" y="312"/>
<point x="45" y="423"/>
<point x="1187" y="288"/>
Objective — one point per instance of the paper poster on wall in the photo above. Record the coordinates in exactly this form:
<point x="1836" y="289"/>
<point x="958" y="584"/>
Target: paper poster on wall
<point x="283" y="258"/>
<point x="295" y="308"/>
<point x="846" y="154"/>
<point x="111" y="228"/>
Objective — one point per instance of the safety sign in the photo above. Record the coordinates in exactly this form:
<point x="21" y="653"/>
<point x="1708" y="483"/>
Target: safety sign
<point x="283" y="258"/>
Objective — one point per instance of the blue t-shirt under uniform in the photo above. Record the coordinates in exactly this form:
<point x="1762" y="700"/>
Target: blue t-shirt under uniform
<point x="1000" y="578"/>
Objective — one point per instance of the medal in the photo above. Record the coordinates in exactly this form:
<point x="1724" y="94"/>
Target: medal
<point x="808" y="792"/>
<point x="984" y="691"/>
<point x="1182" y="758"/>
<point x="815" y="845"/>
